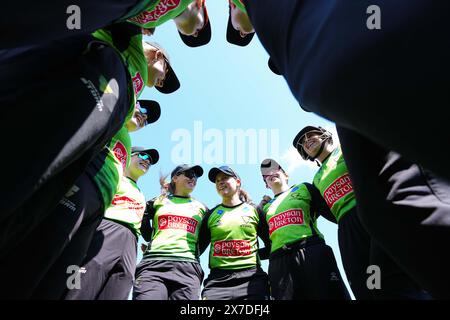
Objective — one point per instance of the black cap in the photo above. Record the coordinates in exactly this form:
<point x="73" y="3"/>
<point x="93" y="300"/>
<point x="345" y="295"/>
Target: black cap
<point x="152" y="153"/>
<point x="152" y="109"/>
<point x="184" y="167"/>
<point x="273" y="67"/>
<point x="204" y="35"/>
<point x="234" y="36"/>
<point x="171" y="82"/>
<point x="224" y="169"/>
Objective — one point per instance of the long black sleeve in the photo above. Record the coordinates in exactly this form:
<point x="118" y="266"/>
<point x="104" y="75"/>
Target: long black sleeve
<point x="319" y="206"/>
<point x="204" y="237"/>
<point x="263" y="233"/>
<point x="146" y="225"/>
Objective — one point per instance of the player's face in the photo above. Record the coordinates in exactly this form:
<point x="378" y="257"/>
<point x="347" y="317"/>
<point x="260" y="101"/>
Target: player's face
<point x="139" y="164"/>
<point x="226" y="185"/>
<point x="191" y="20"/>
<point x="137" y="121"/>
<point x="157" y="68"/>
<point x="276" y="177"/>
<point x="311" y="143"/>
<point x="240" y="21"/>
<point x="185" y="181"/>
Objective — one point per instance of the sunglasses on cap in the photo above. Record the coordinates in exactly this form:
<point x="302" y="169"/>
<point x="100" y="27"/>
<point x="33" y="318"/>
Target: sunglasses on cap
<point x="188" y="174"/>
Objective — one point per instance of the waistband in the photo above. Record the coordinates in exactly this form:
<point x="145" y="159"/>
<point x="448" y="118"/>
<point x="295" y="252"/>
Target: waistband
<point x="303" y="243"/>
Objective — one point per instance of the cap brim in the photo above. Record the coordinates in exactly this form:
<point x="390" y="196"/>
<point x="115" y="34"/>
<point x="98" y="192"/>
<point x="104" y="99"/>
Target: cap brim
<point x="234" y="36"/>
<point x="153" y="153"/>
<point x="203" y="37"/>
<point x="197" y="169"/>
<point x="268" y="166"/>
<point x="171" y="82"/>
<point x="212" y="174"/>
<point x="153" y="110"/>
<point x="273" y="67"/>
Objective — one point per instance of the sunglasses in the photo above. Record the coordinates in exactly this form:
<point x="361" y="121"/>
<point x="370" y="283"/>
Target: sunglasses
<point x="188" y="174"/>
<point x="144" y="156"/>
<point x="142" y="111"/>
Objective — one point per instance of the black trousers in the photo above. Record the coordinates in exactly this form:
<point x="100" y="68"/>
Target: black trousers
<point x="59" y="92"/>
<point x="31" y="22"/>
<point x="167" y="280"/>
<point x="61" y="240"/>
<point x="109" y="265"/>
<point x="306" y="272"/>
<point x="248" y="284"/>
<point x="359" y="251"/>
<point x="388" y="85"/>
<point x="405" y="208"/>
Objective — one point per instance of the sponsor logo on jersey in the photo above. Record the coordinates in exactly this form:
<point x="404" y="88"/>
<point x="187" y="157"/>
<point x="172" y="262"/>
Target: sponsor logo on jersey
<point x="338" y="189"/>
<point x="232" y="248"/>
<point x="129" y="204"/>
<point x="171" y="221"/>
<point x="138" y="83"/>
<point x="162" y="8"/>
<point x="121" y="153"/>
<point x="286" y="218"/>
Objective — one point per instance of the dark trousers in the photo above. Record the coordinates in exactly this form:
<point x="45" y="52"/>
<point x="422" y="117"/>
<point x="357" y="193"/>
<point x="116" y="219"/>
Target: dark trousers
<point x="248" y="284"/>
<point x="61" y="240"/>
<point x="388" y="85"/>
<point x="31" y="22"/>
<point x="405" y="208"/>
<point x="109" y="265"/>
<point x="167" y="280"/>
<point x="306" y="272"/>
<point x="359" y="251"/>
<point x="59" y="92"/>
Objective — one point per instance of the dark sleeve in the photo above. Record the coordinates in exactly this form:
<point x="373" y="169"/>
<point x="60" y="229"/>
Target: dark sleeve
<point x="319" y="206"/>
<point x="204" y="237"/>
<point x="263" y="233"/>
<point x="121" y="34"/>
<point x="146" y="225"/>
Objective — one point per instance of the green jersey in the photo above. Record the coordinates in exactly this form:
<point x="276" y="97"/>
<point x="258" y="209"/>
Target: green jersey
<point x="240" y="5"/>
<point x="233" y="237"/>
<point x="132" y="53"/>
<point x="159" y="11"/>
<point x="290" y="218"/>
<point x="334" y="184"/>
<point x="108" y="167"/>
<point x="176" y="226"/>
<point x="128" y="205"/>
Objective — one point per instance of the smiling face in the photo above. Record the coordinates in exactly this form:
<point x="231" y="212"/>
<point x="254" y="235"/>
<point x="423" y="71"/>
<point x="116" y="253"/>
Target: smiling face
<point x="185" y="182"/>
<point x="137" y="121"/>
<point x="275" y="179"/>
<point x="192" y="19"/>
<point x="139" y="165"/>
<point x="240" y="21"/>
<point x="156" y="65"/>
<point x="227" y="186"/>
<point x="311" y="143"/>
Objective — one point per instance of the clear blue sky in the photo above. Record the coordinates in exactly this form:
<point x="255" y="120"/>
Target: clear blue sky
<point x="227" y="93"/>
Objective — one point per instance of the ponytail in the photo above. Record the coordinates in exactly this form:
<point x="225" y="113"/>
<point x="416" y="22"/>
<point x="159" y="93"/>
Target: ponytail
<point x="244" y="196"/>
<point x="166" y="187"/>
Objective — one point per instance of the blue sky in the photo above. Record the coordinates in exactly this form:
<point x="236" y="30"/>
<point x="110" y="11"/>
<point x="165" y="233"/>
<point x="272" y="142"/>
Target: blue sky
<point x="226" y="92"/>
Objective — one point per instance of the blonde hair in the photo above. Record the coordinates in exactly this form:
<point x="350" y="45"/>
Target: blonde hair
<point x="167" y="187"/>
